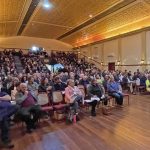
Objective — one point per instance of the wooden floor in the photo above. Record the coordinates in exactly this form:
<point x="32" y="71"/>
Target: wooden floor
<point x="126" y="129"/>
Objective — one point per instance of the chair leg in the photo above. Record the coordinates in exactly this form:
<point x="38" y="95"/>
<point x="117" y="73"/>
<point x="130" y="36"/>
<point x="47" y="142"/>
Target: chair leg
<point x="128" y="100"/>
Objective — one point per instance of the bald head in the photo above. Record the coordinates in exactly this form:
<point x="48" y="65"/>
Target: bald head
<point x="23" y="87"/>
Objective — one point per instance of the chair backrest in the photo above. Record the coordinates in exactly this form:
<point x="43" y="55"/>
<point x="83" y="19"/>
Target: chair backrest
<point x="82" y="91"/>
<point x="80" y="86"/>
<point x="57" y="97"/>
<point x="13" y="93"/>
<point x="43" y="99"/>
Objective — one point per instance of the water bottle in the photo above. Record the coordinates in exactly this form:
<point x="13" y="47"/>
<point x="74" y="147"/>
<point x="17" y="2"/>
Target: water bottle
<point x="74" y="119"/>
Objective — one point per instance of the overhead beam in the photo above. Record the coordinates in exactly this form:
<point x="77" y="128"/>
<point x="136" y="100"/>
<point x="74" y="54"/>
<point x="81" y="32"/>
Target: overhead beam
<point x="29" y="13"/>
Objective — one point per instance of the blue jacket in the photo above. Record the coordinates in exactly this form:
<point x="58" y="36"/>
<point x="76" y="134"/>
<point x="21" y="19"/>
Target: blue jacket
<point x="3" y="106"/>
<point x="113" y="87"/>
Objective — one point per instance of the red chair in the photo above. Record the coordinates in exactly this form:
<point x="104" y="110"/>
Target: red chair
<point x="58" y="105"/>
<point x="43" y="101"/>
<point x="58" y="101"/>
<point x="128" y="97"/>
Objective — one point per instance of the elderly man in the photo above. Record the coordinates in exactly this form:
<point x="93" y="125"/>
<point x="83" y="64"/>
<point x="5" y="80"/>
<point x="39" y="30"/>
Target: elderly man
<point x="29" y="109"/>
<point x="6" y="111"/>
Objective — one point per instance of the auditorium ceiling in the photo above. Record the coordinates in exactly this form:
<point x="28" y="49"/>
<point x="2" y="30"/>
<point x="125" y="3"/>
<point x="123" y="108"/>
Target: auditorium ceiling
<point x="77" y="22"/>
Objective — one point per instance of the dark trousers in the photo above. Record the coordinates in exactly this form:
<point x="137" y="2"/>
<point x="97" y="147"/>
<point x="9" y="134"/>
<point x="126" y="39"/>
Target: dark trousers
<point x="30" y="115"/>
<point x="5" y="129"/>
<point x="9" y="111"/>
<point x="105" y="101"/>
<point x="118" y="97"/>
<point x="93" y="104"/>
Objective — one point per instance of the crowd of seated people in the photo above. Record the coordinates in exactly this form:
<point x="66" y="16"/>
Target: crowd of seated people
<point x="7" y="65"/>
<point x="36" y="78"/>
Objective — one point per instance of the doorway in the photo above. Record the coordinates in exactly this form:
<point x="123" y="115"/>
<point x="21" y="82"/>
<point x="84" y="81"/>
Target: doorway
<point x="111" y="66"/>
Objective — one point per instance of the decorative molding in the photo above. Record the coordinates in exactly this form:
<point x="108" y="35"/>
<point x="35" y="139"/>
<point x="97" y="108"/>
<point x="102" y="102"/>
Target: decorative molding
<point x="132" y="65"/>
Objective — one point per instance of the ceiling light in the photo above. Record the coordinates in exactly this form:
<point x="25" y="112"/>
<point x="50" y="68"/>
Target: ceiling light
<point x="46" y="4"/>
<point x="34" y="48"/>
<point x="90" y="16"/>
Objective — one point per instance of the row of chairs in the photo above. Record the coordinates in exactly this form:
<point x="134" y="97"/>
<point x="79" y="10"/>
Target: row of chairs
<point x="110" y="98"/>
<point x="56" y="104"/>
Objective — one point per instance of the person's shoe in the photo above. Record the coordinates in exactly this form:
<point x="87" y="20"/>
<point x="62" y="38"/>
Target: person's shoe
<point x="93" y="114"/>
<point x="29" y="131"/>
<point x="120" y="106"/>
<point x="34" y="126"/>
<point x="8" y="141"/>
<point x="7" y="145"/>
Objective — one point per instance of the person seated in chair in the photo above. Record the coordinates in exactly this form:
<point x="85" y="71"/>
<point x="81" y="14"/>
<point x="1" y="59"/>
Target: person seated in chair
<point x="73" y="95"/>
<point x="114" y="91"/>
<point x="45" y="86"/>
<point x="59" y="85"/>
<point x="97" y="91"/>
<point x="84" y="81"/>
<point x="148" y="83"/>
<point x="143" y="80"/>
<point x="6" y="111"/>
<point x="32" y="86"/>
<point x="29" y="111"/>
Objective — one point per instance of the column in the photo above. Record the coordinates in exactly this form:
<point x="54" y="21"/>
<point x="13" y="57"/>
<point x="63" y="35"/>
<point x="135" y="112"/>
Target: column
<point x="102" y="57"/>
<point x="143" y="50"/>
<point x="119" y="58"/>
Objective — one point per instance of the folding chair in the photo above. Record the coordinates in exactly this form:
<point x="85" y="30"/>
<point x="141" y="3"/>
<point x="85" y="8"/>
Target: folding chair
<point x="82" y="89"/>
<point x="58" y="105"/>
<point x="43" y="101"/>
<point x="128" y="97"/>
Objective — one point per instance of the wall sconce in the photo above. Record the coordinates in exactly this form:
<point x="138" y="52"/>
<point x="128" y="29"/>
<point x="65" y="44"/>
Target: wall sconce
<point x="101" y="63"/>
<point x="89" y="57"/>
<point x="142" y="61"/>
<point x="118" y="62"/>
